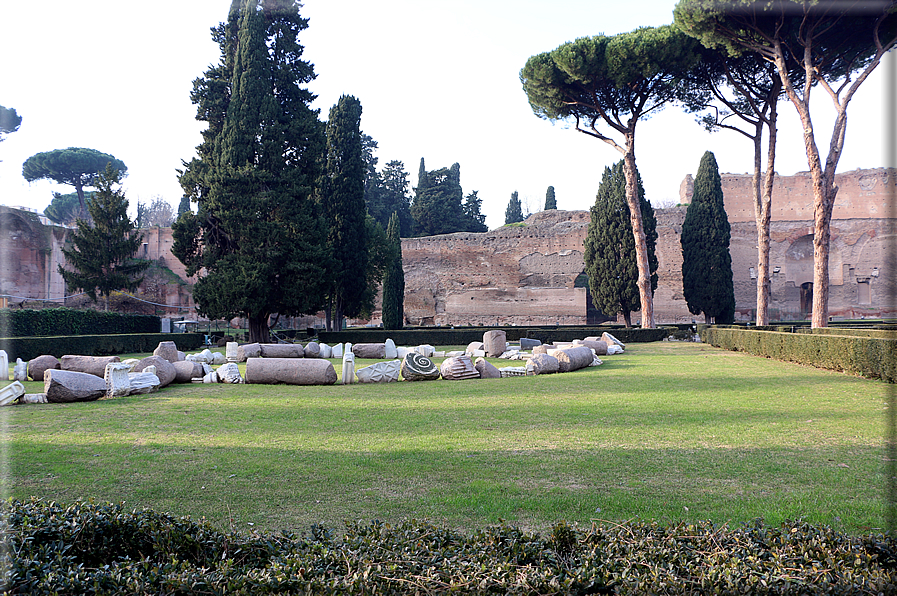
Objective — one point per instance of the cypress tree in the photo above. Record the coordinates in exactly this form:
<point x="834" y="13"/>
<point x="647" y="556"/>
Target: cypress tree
<point x="609" y="255"/>
<point x="394" y="280"/>
<point x="344" y="207"/>
<point x="550" y="202"/>
<point x="513" y="212"/>
<point x="438" y="206"/>
<point x="101" y="257"/>
<point x="706" y="262"/>
<point x="257" y="231"/>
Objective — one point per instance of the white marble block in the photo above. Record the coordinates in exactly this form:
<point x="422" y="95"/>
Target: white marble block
<point x="118" y="383"/>
<point x="11" y="393"/>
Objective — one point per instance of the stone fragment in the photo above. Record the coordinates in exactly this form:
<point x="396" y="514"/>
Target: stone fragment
<point x="389" y="349"/>
<point x="248" y="351"/>
<point x="37" y="366"/>
<point x="229" y="373"/>
<point x="573" y="358"/>
<point x="540" y="349"/>
<point x="458" y="368"/>
<point x="418" y="368"/>
<point x="453" y="353"/>
<point x="186" y="371"/>
<point x="118" y="384"/>
<point x="370" y="351"/>
<point x="438" y="354"/>
<point x="326" y="351"/>
<point x="599" y="346"/>
<point x="528" y="343"/>
<point x="33" y="398"/>
<point x="614" y="349"/>
<point x="20" y="371"/>
<point x="181" y="356"/>
<point x="143" y="382"/>
<point x="291" y="371"/>
<point x="167" y="350"/>
<point x="513" y="355"/>
<point x="495" y="342"/>
<point x="164" y="369"/>
<point x="282" y="351"/>
<point x="610" y="339"/>
<point x="66" y="386"/>
<point x="425" y="350"/>
<point x="381" y="372"/>
<point x="218" y="359"/>
<point x="348" y="371"/>
<point x="4" y="365"/>
<point x="475" y="346"/>
<point x="336" y="351"/>
<point x="312" y="350"/>
<point x="543" y="364"/>
<point x="513" y="371"/>
<point x="486" y="370"/>
<point x="596" y="362"/>
<point x="212" y="377"/>
<point x="232" y="351"/>
<point x="11" y="393"/>
<point x="402" y="351"/>
<point x="92" y="365"/>
<point x="206" y="368"/>
<point x="132" y="362"/>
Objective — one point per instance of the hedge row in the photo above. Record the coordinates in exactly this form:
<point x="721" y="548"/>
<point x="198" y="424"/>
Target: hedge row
<point x="27" y="348"/>
<point x="865" y="332"/>
<point x="106" y="549"/>
<point x="69" y="321"/>
<point x="464" y="335"/>
<point x="867" y="356"/>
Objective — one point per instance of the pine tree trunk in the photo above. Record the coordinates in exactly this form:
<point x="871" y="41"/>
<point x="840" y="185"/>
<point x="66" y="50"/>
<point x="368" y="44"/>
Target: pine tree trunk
<point x="258" y="329"/>
<point x="627" y="319"/>
<point x="763" y="215"/>
<point x="646" y="296"/>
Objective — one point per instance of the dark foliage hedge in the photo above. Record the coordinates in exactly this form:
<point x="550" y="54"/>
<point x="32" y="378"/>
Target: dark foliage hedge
<point x="874" y="357"/>
<point x="106" y="549"/>
<point x="27" y="348"/>
<point x="460" y="336"/>
<point x="69" y="321"/>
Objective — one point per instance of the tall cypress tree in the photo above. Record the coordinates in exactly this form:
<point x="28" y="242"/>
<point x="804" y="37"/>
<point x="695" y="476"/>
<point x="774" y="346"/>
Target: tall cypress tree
<point x="513" y="212"/>
<point x="394" y="280"/>
<point x="438" y="202"/>
<point x="343" y="193"/>
<point x="610" y="246"/>
<point x="102" y="254"/>
<point x="257" y="231"/>
<point x="706" y="262"/>
<point x="550" y="202"/>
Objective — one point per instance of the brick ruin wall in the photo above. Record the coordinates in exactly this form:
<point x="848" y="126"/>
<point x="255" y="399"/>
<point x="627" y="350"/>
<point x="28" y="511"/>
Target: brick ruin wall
<point x="525" y="275"/>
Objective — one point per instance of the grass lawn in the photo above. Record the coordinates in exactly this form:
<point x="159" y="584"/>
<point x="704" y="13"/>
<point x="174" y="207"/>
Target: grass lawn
<point x="666" y="431"/>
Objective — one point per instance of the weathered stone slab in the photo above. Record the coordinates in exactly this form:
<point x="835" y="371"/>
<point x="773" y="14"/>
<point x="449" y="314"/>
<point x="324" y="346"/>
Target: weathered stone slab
<point x="164" y="369"/>
<point x="425" y="350"/>
<point x="92" y="365"/>
<point x="369" y="351"/>
<point x="474" y="346"/>
<point x="336" y="351"/>
<point x="218" y="359"/>
<point x="20" y="371"/>
<point x="143" y="382"/>
<point x="348" y="370"/>
<point x="614" y="349"/>
<point x="495" y="342"/>
<point x="512" y="371"/>
<point x="210" y="378"/>
<point x="458" y="368"/>
<point x="186" y="371"/>
<point x="527" y="343"/>
<point x="67" y="386"/>
<point x="540" y="349"/>
<point x="610" y="339"/>
<point x="599" y="346"/>
<point x="167" y="350"/>
<point x="11" y="393"/>
<point x="312" y="350"/>
<point x="229" y="373"/>
<point x="282" y="351"/>
<point x="381" y="372"/>
<point x="290" y="371"/>
<point x="232" y="351"/>
<point x="33" y="398"/>
<point x="37" y="366"/>
<point x="573" y="358"/>
<point x="325" y="351"/>
<point x="543" y="364"/>
<point x="402" y="351"/>
<point x="389" y="349"/>
<point x="486" y="370"/>
<point x="418" y="368"/>
<point x="4" y="365"/>
<point x="248" y="351"/>
<point x="118" y="384"/>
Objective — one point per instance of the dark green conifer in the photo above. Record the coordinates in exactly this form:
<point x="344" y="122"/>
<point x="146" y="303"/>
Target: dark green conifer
<point x="514" y="211"/>
<point x="610" y="246"/>
<point x="706" y="262"/>
<point x="394" y="280"/>
<point x="550" y="202"/>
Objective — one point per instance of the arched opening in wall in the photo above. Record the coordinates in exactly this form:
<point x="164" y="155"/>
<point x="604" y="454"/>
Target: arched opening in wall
<point x="806" y="299"/>
<point x="593" y="315"/>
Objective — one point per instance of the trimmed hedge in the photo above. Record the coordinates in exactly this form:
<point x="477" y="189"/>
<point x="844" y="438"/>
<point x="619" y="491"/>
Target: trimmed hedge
<point x="27" y="348"/>
<point x="69" y="321"/>
<point x="864" y="332"/>
<point x="867" y="356"/>
<point x="460" y="336"/>
<point x="107" y="549"/>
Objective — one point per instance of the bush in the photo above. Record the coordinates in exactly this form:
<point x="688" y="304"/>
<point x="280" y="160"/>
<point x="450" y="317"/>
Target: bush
<point x="106" y="549"/>
<point x="68" y="321"/>
<point x="27" y="348"/>
<point x="867" y="356"/>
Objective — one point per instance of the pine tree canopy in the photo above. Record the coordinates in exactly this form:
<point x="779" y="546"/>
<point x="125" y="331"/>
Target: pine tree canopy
<point x="706" y="263"/>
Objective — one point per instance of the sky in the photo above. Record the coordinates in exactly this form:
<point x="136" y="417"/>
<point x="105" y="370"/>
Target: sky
<point x="437" y="79"/>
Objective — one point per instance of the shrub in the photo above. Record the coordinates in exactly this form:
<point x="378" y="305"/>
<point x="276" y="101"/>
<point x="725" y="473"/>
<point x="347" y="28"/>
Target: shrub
<point x="69" y="321"/>
<point x="27" y="348"/>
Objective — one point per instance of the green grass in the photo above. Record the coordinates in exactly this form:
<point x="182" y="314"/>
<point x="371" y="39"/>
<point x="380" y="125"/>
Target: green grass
<point x="666" y="431"/>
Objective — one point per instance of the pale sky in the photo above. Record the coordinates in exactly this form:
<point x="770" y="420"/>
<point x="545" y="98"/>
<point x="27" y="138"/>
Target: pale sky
<point x="437" y="79"/>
